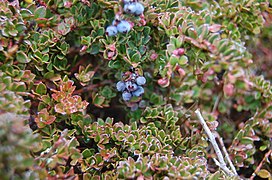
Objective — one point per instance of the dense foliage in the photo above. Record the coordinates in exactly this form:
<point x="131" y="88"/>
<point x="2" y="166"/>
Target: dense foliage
<point x="63" y="63"/>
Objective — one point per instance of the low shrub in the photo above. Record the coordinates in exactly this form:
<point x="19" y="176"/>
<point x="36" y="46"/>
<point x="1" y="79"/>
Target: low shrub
<point x="110" y="89"/>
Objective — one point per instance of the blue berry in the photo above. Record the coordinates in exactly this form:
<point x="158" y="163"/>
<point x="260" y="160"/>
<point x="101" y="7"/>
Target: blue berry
<point x="115" y="22"/>
<point x="133" y="76"/>
<point x="140" y="80"/>
<point x="126" y="96"/>
<point x="111" y="30"/>
<point x="142" y="104"/>
<point x="123" y="26"/>
<point x="130" y="8"/>
<point x="138" y="92"/>
<point x="121" y="86"/>
<point x="139" y="9"/>
<point x="134" y="107"/>
<point x="131" y="86"/>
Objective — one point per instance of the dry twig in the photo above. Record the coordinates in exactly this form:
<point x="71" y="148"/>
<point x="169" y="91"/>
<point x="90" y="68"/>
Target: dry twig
<point x="227" y="155"/>
<point x="221" y="163"/>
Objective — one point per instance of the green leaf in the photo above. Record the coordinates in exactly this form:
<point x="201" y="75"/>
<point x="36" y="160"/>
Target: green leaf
<point x="99" y="100"/>
<point x="263" y="147"/>
<point x="109" y="120"/>
<point x="174" y="60"/>
<point x="100" y="122"/>
<point x="161" y="133"/>
<point x="247" y="140"/>
<point x="45" y="58"/>
<point x="40" y="12"/>
<point x="183" y="60"/>
<point x="25" y="12"/>
<point x="94" y="49"/>
<point x="63" y="28"/>
<point x="19" y="87"/>
<point x="22" y="57"/>
<point x="134" y="126"/>
<point x="13" y="32"/>
<point x="41" y="89"/>
<point x="87" y="153"/>
<point x="203" y="31"/>
<point x="46" y="99"/>
<point x="86" y="40"/>
<point x="130" y="138"/>
<point x="192" y="33"/>
<point x="263" y="173"/>
<point x="215" y="176"/>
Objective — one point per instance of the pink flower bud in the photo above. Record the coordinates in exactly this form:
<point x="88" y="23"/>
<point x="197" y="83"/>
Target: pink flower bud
<point x="214" y="28"/>
<point x="249" y="84"/>
<point x="250" y="61"/>
<point x="210" y="72"/>
<point x="153" y="56"/>
<point x="228" y="89"/>
<point x="111" y="47"/>
<point x="131" y="24"/>
<point x="231" y="78"/>
<point x="164" y="82"/>
<point x="181" y="72"/>
<point x="142" y="22"/>
<point x="111" y="54"/>
<point x="175" y="52"/>
<point x="68" y="4"/>
<point x="207" y="74"/>
<point x="198" y="72"/>
<point x="83" y="49"/>
<point x="178" y="52"/>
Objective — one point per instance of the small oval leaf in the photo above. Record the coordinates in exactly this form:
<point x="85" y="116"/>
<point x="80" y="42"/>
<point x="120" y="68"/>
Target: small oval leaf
<point x="22" y="57"/>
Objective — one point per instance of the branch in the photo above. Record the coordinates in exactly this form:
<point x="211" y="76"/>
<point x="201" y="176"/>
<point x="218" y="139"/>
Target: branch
<point x="260" y="165"/>
<point x="223" y="167"/>
<point x="227" y="155"/>
<point x="218" y="152"/>
<point x="216" y="103"/>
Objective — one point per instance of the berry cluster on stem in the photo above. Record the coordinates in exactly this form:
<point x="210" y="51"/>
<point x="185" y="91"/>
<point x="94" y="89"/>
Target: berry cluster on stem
<point x="131" y="86"/>
<point x="121" y="25"/>
<point x="133" y="7"/>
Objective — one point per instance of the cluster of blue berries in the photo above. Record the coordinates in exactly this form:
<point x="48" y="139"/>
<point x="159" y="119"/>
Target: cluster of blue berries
<point x="123" y="26"/>
<point x="131" y="85"/>
<point x="133" y="7"/>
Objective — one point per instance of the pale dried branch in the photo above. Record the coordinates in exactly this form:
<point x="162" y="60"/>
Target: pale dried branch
<point x="221" y="163"/>
<point x="227" y="155"/>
